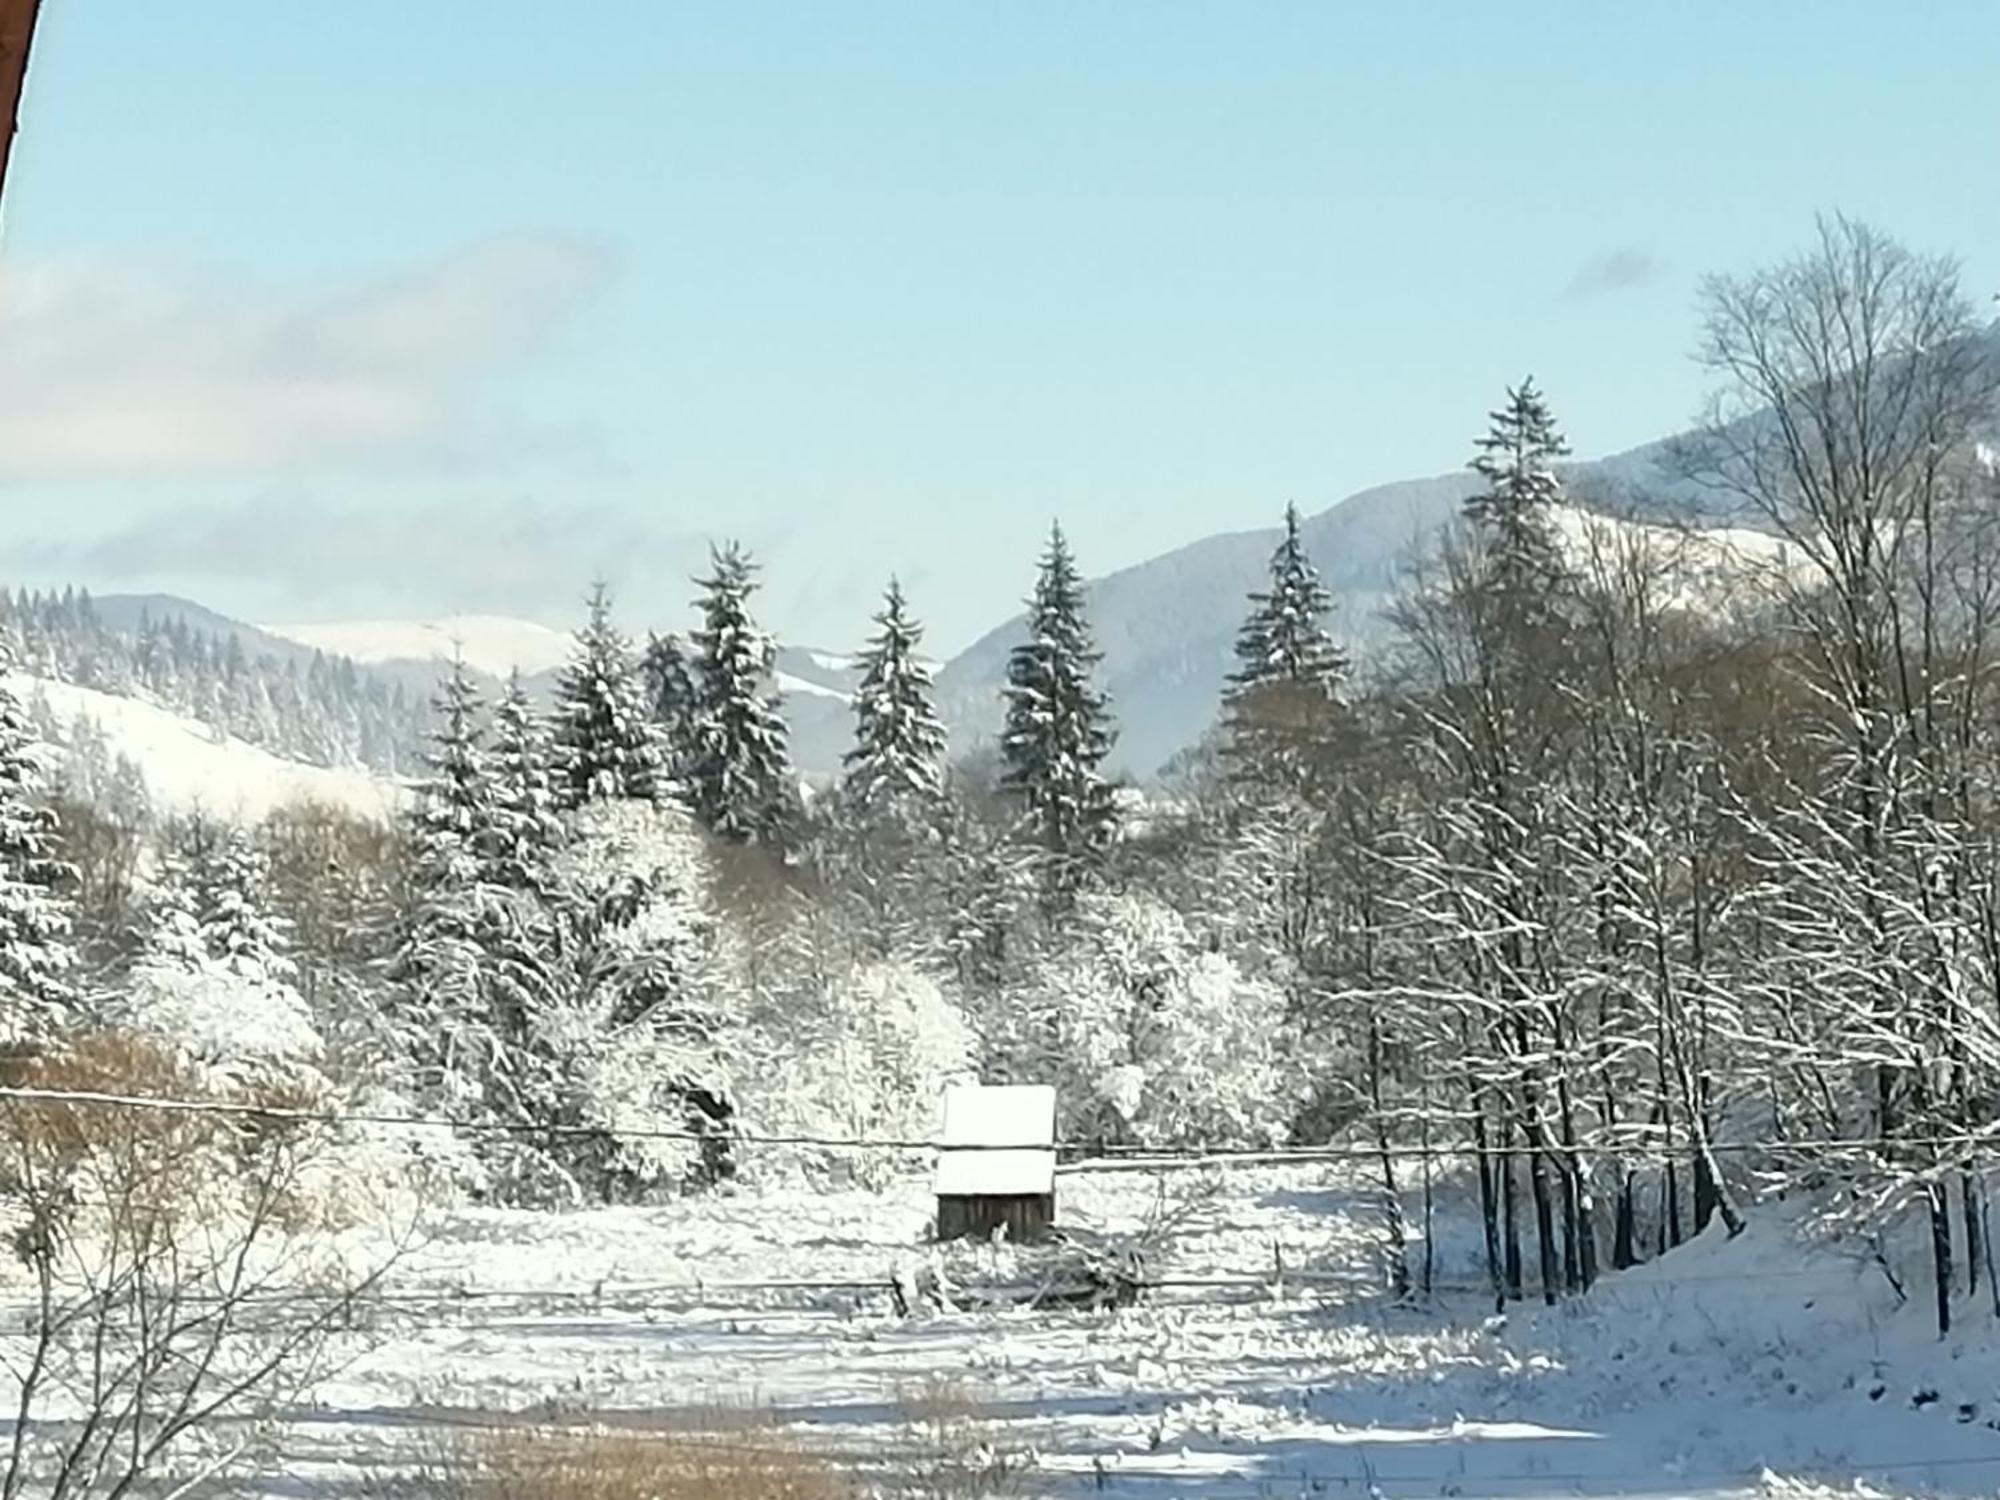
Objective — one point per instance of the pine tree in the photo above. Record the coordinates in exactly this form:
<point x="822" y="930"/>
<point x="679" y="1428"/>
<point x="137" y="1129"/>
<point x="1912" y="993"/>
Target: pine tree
<point x="480" y="960"/>
<point x="527" y="829"/>
<point x="439" y="964"/>
<point x="899" y="744"/>
<point x="1517" y="460"/>
<point x="1288" y="667"/>
<point x="213" y="901"/>
<point x="605" y="742"/>
<point x="35" y="956"/>
<point x="1283" y="640"/>
<point x="675" y="702"/>
<point x="1057" y="729"/>
<point x="742" y="775"/>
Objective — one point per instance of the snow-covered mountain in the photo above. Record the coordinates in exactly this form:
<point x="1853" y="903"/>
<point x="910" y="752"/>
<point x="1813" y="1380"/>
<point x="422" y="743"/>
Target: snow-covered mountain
<point x="492" y="644"/>
<point x="1167" y="627"/>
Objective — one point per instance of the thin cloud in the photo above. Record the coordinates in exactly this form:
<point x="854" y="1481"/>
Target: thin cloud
<point x="117" y="371"/>
<point x="511" y="555"/>
<point x="1621" y="270"/>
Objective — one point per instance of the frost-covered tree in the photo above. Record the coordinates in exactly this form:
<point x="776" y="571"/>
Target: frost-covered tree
<point x="638" y="1042"/>
<point x="1284" y="639"/>
<point x="1517" y="459"/>
<point x="741" y="776"/>
<point x="35" y="955"/>
<point x="527" y="827"/>
<point x="1275" y="703"/>
<point x="1058" y="729"/>
<point x="1150" y="1035"/>
<point x="674" y="699"/>
<point x="216" y="986"/>
<point x="897" y="761"/>
<point x="480" y="959"/>
<point x="861" y="1050"/>
<point x="439" y="964"/>
<point x="605" y="741"/>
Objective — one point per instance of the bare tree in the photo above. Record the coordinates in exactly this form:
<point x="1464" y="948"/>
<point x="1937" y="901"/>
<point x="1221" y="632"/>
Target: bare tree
<point x="1853" y="383"/>
<point x="181" y="1288"/>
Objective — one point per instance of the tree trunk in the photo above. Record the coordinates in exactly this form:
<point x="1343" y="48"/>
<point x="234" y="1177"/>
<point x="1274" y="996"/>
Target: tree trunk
<point x="1624" y="1223"/>
<point x="1940" y="1211"/>
<point x="1975" y="1249"/>
<point x="1489" y="1204"/>
<point x="1510" y="1227"/>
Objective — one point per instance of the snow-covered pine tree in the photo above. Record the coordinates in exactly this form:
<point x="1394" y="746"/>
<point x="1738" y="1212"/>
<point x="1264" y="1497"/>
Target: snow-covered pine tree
<point x="228" y="873"/>
<point x="35" y="955"/>
<point x="439" y="964"/>
<point x="1283" y="639"/>
<point x="674" y="699"/>
<point x="216" y="984"/>
<point x="742" y="773"/>
<point x="1058" y="728"/>
<point x="1517" y="460"/>
<point x="479" y="964"/>
<point x="527" y="830"/>
<point x="899" y="743"/>
<point x="1288" y="666"/>
<point x="605" y="742"/>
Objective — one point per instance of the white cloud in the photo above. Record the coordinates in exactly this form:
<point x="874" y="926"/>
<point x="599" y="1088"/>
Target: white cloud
<point x="115" y="371"/>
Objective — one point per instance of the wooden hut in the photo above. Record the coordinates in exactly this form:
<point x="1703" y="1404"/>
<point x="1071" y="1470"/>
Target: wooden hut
<point x="996" y="1165"/>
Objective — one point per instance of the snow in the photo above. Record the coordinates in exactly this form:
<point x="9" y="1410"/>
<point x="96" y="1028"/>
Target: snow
<point x="987" y="1115"/>
<point x="790" y="686"/>
<point x="493" y="644"/>
<point x="188" y="765"/>
<point x="1710" y="1373"/>
<point x="1266" y="1361"/>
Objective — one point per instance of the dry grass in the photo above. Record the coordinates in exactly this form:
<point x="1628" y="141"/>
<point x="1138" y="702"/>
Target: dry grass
<point x="957" y="1453"/>
<point x="727" y="1457"/>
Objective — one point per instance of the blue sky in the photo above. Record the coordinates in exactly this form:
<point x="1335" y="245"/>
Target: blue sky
<point x="400" y="308"/>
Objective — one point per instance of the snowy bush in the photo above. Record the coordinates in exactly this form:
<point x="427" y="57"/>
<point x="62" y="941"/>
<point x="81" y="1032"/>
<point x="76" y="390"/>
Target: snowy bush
<point x="1150" y="1037"/>
<point x="868" y="1057"/>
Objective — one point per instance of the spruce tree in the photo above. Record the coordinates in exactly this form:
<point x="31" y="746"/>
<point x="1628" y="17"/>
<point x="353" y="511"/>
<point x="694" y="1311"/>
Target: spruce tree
<point x="1517" y="459"/>
<point x="439" y="966"/>
<point x="674" y="700"/>
<point x="1288" y="668"/>
<point x="1058" y="728"/>
<point x="527" y="830"/>
<point x="741" y="775"/>
<point x="211" y="903"/>
<point x="605" y="744"/>
<point x="35" y="918"/>
<point x="899" y="744"/>
<point x="1282" y="640"/>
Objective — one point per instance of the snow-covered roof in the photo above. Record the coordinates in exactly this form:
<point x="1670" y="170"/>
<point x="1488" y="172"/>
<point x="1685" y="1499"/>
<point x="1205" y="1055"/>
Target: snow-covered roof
<point x="998" y="1115"/>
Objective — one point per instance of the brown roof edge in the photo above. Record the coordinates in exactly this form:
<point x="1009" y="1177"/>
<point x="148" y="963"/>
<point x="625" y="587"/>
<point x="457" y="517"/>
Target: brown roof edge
<point x="17" y="29"/>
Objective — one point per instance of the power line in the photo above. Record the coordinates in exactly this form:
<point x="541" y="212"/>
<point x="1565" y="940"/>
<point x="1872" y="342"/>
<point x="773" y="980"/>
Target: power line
<point x="1094" y="1156"/>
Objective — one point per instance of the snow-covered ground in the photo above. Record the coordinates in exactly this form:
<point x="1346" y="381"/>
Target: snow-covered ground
<point x="188" y="765"/>
<point x="1694" y="1376"/>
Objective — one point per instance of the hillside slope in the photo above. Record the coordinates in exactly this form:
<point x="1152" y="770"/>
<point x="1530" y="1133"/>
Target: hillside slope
<point x="187" y="766"/>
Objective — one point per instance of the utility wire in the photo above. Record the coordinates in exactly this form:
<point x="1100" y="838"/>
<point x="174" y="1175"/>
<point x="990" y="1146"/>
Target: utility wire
<point x="1094" y="1156"/>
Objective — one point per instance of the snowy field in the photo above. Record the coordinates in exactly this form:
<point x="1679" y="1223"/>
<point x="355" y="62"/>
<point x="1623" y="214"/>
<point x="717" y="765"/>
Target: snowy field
<point x="1744" y="1368"/>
